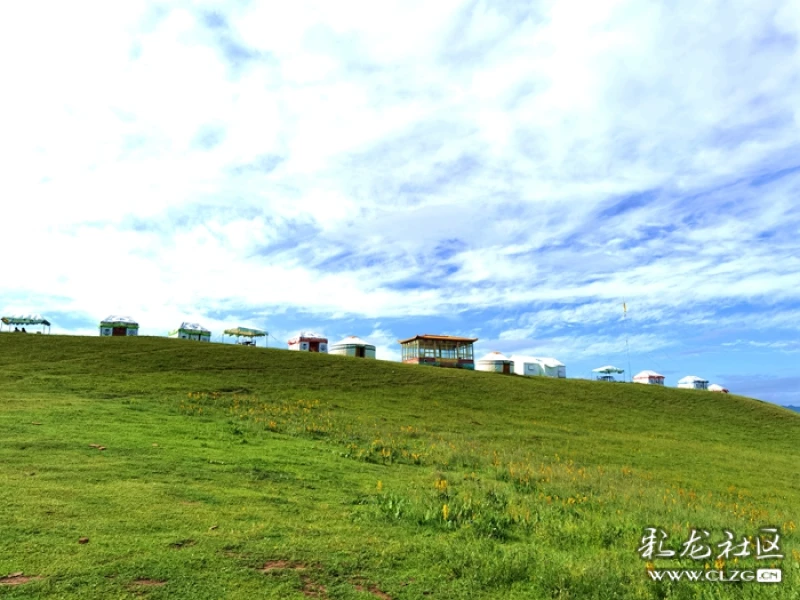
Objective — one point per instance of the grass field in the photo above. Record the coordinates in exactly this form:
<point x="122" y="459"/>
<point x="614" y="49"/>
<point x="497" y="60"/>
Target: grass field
<point x="164" y="468"/>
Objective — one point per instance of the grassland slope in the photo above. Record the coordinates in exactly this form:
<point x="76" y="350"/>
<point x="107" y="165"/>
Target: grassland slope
<point x="230" y="471"/>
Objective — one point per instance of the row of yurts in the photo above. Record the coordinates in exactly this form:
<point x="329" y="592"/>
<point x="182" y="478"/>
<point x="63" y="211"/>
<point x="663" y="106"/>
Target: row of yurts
<point x="436" y="350"/>
<point x="427" y="349"/>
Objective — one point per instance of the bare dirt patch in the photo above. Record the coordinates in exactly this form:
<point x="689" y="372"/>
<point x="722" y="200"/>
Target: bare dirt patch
<point x="18" y="579"/>
<point x="182" y="544"/>
<point x="277" y="565"/>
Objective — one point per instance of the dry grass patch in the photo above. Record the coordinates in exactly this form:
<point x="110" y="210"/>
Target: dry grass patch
<point x="149" y="582"/>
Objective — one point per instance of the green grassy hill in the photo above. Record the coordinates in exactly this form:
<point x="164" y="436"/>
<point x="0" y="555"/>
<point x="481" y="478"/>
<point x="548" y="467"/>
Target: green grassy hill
<point x="235" y="472"/>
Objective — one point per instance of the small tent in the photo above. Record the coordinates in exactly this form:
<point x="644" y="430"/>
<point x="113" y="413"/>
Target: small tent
<point x="353" y="346"/>
<point x="693" y="382"/>
<point x="17" y="321"/>
<point x="649" y="377"/>
<point x="496" y="362"/>
<point x="715" y="387"/>
<point x="308" y="341"/>
<point x="118" y="326"/>
<point x="607" y="373"/>
<point x="531" y="365"/>
<point x="191" y="331"/>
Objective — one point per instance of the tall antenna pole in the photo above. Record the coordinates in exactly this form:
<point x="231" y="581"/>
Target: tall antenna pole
<point x="625" y="326"/>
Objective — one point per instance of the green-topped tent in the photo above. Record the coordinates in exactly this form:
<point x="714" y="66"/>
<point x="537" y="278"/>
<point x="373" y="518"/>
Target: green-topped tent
<point x="17" y="321"/>
<point x="250" y="335"/>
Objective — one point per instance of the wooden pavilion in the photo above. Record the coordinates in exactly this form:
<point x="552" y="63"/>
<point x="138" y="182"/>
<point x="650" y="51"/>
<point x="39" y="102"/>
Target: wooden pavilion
<point x="439" y="351"/>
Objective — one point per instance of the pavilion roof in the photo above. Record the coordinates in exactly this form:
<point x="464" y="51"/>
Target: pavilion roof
<point x="443" y="338"/>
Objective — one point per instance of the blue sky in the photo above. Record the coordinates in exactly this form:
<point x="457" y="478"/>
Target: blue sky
<point x="509" y="170"/>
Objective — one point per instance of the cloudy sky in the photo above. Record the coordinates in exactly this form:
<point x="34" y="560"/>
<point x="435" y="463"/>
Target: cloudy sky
<point x="505" y="169"/>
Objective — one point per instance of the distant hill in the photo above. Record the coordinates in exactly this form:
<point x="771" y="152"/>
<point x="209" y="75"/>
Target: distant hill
<point x="796" y="408"/>
<point x="180" y="469"/>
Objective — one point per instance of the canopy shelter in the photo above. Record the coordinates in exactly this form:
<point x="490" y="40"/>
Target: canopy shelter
<point x="607" y="373"/>
<point x="250" y="335"/>
<point x="21" y="321"/>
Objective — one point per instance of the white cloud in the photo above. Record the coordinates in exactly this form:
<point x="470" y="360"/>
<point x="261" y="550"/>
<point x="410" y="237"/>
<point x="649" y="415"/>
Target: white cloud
<point x="379" y="160"/>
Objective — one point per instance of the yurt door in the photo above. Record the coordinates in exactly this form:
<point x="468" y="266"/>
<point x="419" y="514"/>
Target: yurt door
<point x="119" y="331"/>
<point x="360" y="351"/>
<point x="313" y="346"/>
<point x="507" y="368"/>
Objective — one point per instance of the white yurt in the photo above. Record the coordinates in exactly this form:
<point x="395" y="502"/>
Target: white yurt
<point x="308" y="341"/>
<point x="531" y="366"/>
<point x="715" y="387"/>
<point x="649" y="378"/>
<point x="496" y="362"/>
<point x="191" y="331"/>
<point x="115" y="325"/>
<point x="353" y="346"/>
<point x="693" y="382"/>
